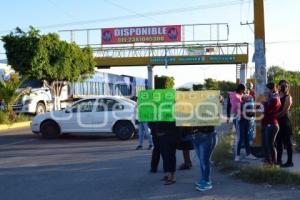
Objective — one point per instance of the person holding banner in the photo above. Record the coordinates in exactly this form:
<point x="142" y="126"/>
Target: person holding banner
<point x="204" y="139"/>
<point x="168" y="137"/>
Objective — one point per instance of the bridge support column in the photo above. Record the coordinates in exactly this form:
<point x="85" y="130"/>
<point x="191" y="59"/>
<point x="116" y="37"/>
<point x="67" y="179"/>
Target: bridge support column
<point x="243" y="73"/>
<point x="150" y="77"/>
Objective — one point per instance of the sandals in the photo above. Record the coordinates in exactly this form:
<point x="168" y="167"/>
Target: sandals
<point x="185" y="166"/>
<point x="165" y="178"/>
<point x="170" y="181"/>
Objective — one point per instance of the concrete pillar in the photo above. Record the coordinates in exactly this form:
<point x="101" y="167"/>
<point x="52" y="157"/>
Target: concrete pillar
<point x="243" y="73"/>
<point x="150" y="77"/>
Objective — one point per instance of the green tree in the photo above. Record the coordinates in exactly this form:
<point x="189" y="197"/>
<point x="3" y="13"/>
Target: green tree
<point x="226" y="86"/>
<point x="211" y="84"/>
<point x="164" y="82"/>
<point x="183" y="89"/>
<point x="47" y="58"/>
<point x="276" y="73"/>
<point x="197" y="87"/>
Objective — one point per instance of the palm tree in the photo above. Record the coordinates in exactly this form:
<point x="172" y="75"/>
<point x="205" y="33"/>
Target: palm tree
<point x="9" y="94"/>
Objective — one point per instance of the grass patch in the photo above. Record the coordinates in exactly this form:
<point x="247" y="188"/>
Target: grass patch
<point x="223" y="160"/>
<point x="295" y="119"/>
<point x="6" y="119"/>
<point x="23" y="118"/>
<point x="223" y="155"/>
<point x="297" y="141"/>
<point x="269" y="175"/>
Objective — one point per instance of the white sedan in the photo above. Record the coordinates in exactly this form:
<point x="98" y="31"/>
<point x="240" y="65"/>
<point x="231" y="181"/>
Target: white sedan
<point x="109" y="114"/>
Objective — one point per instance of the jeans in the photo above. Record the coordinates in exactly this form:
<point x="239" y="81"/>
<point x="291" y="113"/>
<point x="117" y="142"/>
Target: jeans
<point x="144" y="130"/>
<point x="244" y="127"/>
<point x="236" y="123"/>
<point x="269" y="134"/>
<point x="251" y="133"/>
<point x="204" y="145"/>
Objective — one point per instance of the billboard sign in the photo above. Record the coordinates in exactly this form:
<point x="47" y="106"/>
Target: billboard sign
<point x="143" y="34"/>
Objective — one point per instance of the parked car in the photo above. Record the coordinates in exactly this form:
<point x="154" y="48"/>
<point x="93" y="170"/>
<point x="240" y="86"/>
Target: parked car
<point x="101" y="115"/>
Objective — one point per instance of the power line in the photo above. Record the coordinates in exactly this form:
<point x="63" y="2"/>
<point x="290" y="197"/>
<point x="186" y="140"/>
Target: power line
<point x="146" y="14"/>
<point x="62" y="9"/>
<point x="283" y="42"/>
<point x="131" y="11"/>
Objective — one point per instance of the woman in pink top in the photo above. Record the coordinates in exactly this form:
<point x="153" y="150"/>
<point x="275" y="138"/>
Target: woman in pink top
<point x="233" y="110"/>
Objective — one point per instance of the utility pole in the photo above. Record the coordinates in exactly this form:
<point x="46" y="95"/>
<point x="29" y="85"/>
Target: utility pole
<point x="260" y="61"/>
<point x="260" y="49"/>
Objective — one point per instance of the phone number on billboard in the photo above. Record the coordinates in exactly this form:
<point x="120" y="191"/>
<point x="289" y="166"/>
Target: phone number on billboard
<point x="140" y="39"/>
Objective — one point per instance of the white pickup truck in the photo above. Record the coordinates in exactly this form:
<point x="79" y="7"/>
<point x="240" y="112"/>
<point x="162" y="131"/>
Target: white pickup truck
<point x="37" y="100"/>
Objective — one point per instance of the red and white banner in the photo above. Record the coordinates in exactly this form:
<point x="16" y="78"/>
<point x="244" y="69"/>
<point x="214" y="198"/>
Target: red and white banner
<point x="144" y="34"/>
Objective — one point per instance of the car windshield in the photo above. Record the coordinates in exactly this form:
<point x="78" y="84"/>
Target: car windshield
<point x="32" y="84"/>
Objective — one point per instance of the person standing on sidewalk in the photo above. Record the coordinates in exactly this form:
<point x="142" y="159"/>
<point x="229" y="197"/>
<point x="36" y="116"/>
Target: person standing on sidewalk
<point x="285" y="131"/>
<point x="233" y="110"/>
<point x="270" y="124"/>
<point x="251" y="133"/>
<point x="204" y="139"/>
<point x="247" y="113"/>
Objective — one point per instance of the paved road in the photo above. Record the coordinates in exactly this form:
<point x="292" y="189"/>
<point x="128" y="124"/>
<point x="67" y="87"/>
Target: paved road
<point x="84" y="168"/>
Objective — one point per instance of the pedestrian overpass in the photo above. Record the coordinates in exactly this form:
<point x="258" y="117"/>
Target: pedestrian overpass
<point x="190" y="49"/>
<point x="190" y="54"/>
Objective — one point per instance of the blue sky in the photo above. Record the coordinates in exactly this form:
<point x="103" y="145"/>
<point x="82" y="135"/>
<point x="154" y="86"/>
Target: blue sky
<point x="282" y="26"/>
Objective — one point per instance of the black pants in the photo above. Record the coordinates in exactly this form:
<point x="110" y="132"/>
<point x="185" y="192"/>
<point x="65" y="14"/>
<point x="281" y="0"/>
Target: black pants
<point x="167" y="145"/>
<point x="155" y="153"/>
<point x="284" y="140"/>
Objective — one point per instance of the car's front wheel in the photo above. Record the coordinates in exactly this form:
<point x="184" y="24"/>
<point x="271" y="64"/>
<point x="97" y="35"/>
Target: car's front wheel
<point x="50" y="129"/>
<point x="124" y="130"/>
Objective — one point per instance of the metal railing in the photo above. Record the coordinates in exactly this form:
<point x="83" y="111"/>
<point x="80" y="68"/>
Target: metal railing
<point x="190" y="33"/>
<point x="172" y="50"/>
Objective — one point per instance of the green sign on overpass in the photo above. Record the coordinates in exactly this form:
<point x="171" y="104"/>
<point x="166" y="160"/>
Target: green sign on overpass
<point x="172" y="55"/>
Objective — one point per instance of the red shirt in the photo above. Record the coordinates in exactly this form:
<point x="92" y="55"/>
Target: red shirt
<point x="252" y="93"/>
<point x="271" y="110"/>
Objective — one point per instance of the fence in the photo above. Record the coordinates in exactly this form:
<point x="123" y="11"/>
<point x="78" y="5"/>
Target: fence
<point x="295" y="110"/>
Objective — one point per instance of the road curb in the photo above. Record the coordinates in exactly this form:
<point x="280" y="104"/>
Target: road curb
<point x="15" y="126"/>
